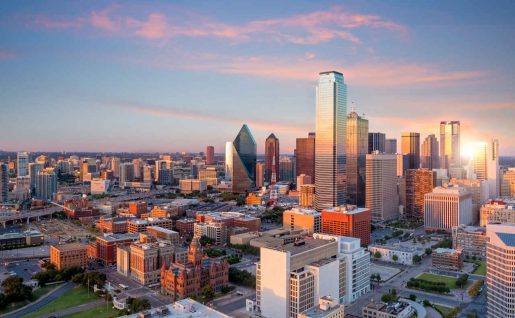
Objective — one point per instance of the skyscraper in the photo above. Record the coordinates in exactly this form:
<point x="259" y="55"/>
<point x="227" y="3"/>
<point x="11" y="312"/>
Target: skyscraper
<point x="272" y="159"/>
<point x="449" y="144"/>
<point x="115" y="166"/>
<point x="430" y="158"/>
<point x="410" y="146"/>
<point x="330" y="148"/>
<point x="243" y="171"/>
<point x="210" y="155"/>
<point x="376" y="141"/>
<point x="34" y="168"/>
<point x="46" y="184"/>
<point x="486" y="165"/>
<point x="390" y="146"/>
<point x="357" y="147"/>
<point x="22" y="164"/>
<point x="447" y="207"/>
<point x="286" y="169"/>
<point x="126" y="173"/>
<point x="305" y="155"/>
<point x="4" y="179"/>
<point x="418" y="183"/>
<point x="260" y="174"/>
<point x="381" y="186"/>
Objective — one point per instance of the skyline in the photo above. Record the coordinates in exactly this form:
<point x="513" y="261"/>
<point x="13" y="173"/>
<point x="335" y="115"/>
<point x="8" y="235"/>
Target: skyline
<point x="126" y="77"/>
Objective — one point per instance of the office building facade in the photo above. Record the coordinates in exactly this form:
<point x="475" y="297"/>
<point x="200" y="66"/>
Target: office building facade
<point x="450" y="144"/>
<point x="376" y="142"/>
<point x="418" y="183"/>
<point x="305" y="155"/>
<point x="272" y="159"/>
<point x="357" y="148"/>
<point x="445" y="208"/>
<point x="430" y="158"/>
<point x="382" y="198"/>
<point x="243" y="161"/>
<point x="410" y="147"/>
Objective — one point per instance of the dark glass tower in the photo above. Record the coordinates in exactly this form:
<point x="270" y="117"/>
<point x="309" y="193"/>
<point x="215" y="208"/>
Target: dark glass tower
<point x="243" y="161"/>
<point x="271" y="159"/>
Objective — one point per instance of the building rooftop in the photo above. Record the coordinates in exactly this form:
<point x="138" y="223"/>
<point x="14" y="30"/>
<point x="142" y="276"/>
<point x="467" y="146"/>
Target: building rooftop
<point x="393" y="307"/>
<point x="302" y="246"/>
<point x="185" y="308"/>
<point x="69" y="247"/>
<point x="117" y="237"/>
<point x="161" y="229"/>
<point x="303" y="211"/>
<point x="442" y="250"/>
<point x="346" y="209"/>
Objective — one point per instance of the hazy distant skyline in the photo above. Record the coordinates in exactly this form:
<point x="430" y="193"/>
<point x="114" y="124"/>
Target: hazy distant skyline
<point x="162" y="76"/>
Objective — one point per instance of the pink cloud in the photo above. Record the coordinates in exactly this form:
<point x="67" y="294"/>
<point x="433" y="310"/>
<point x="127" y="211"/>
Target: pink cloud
<point x="154" y="28"/>
<point x="102" y="20"/>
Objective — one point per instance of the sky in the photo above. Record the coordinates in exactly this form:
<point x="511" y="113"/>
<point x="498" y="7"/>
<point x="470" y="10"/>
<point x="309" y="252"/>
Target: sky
<point x="179" y="75"/>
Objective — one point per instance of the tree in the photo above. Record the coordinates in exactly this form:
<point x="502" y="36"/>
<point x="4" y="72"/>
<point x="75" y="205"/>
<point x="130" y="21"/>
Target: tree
<point x="377" y="254"/>
<point x="395" y="258"/>
<point x="413" y="297"/>
<point x="15" y="290"/>
<point x="429" y="251"/>
<point x="137" y="304"/>
<point x="416" y="259"/>
<point x="462" y="281"/>
<point x="426" y="303"/>
<point x="204" y="240"/>
<point x="208" y="292"/>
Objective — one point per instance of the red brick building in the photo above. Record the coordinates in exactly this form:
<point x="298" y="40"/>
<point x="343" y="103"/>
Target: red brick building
<point x="103" y="249"/>
<point x="112" y="225"/>
<point x="185" y="280"/>
<point x="138" y="208"/>
<point x="185" y="226"/>
<point x="77" y="209"/>
<point x="348" y="221"/>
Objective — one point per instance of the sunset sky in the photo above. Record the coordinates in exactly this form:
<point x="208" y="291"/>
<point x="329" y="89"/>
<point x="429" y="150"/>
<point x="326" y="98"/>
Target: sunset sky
<point x="179" y="75"/>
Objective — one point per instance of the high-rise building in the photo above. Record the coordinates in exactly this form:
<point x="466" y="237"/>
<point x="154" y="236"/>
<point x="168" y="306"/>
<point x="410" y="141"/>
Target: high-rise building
<point x="302" y="219"/>
<point x="138" y="169"/>
<point x="87" y="166"/>
<point x="22" y="164"/>
<point x="357" y="149"/>
<point x="330" y="148"/>
<point x="390" y="146"/>
<point x="210" y="155"/>
<point x="286" y="169"/>
<point x="115" y="166"/>
<point x="272" y="159"/>
<point x="486" y="165"/>
<point x="306" y="195"/>
<point x="305" y="155"/>
<point x="430" y="159"/>
<point x="347" y="220"/>
<point x="418" y="183"/>
<point x="243" y="157"/>
<point x="410" y="147"/>
<point x="146" y="260"/>
<point x="260" y="174"/>
<point x="447" y="207"/>
<point x="46" y="184"/>
<point x="228" y="160"/>
<point x="34" y="168"/>
<point x="163" y="173"/>
<point x="126" y="173"/>
<point x="471" y="239"/>
<point x="479" y="191"/>
<point x="500" y="270"/>
<point x="508" y="183"/>
<point x="450" y="144"/>
<point x="376" y="142"/>
<point x="382" y="197"/>
<point x="4" y="179"/>
<point x="291" y="278"/>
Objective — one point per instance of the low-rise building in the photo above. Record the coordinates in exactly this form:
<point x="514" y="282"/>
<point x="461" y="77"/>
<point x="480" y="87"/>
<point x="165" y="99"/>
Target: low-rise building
<point x="243" y="238"/>
<point x="347" y="220"/>
<point x="185" y="226"/>
<point x="448" y="259"/>
<point x="18" y="240"/>
<point x="302" y="219"/>
<point x="471" y="239"/>
<point x="140" y="225"/>
<point x="192" y="185"/>
<point x="103" y="249"/>
<point x="112" y="225"/>
<point x="394" y="309"/>
<point x="146" y="260"/>
<point x="69" y="255"/>
<point x="395" y="253"/>
<point x="164" y="234"/>
<point x="185" y="308"/>
<point x="216" y="231"/>
<point x="498" y="211"/>
<point x="328" y="307"/>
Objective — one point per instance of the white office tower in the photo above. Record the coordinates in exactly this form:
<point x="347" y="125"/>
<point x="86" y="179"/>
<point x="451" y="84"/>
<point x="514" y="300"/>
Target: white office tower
<point x="330" y="142"/>
<point x="381" y="197"/>
<point x="447" y="207"/>
<point x="46" y="184"/>
<point x="22" y="164"/>
<point x="291" y="278"/>
<point x="486" y="165"/>
<point x="228" y="160"/>
<point x="500" y="270"/>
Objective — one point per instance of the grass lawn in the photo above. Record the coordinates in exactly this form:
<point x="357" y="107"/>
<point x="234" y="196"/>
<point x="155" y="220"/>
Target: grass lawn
<point x="74" y="297"/>
<point x="481" y="270"/>
<point x="449" y="281"/>
<point x="97" y="312"/>
<point x="38" y="293"/>
<point x="442" y="310"/>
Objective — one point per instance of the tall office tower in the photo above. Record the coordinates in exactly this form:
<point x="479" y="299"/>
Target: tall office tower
<point x="4" y="179"/>
<point x="508" y="183"/>
<point x="390" y="146"/>
<point x="291" y="278"/>
<point x="138" y="169"/>
<point x="272" y="159"/>
<point x="410" y="146"/>
<point x="260" y="174"/>
<point x="147" y="174"/>
<point x="486" y="165"/>
<point x="305" y="156"/>
<point x="430" y="159"/>
<point x="163" y="173"/>
<point x="87" y="165"/>
<point x="115" y="166"/>
<point x="357" y="149"/>
<point x="286" y="169"/>
<point x="330" y="148"/>
<point x="500" y="273"/>
<point x="347" y="220"/>
<point x="376" y="142"/>
<point x="450" y="144"/>
<point x="46" y="184"/>
<point x="126" y="173"/>
<point x="22" y="164"/>
<point x="228" y="161"/>
<point x="479" y="191"/>
<point x="447" y="207"/>
<point x="382" y="197"/>
<point x="210" y="155"/>
<point x="243" y="171"/>
<point x="418" y="183"/>
<point x="34" y="168"/>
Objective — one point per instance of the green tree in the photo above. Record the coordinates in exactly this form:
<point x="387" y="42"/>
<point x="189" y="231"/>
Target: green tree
<point x="15" y="290"/>
<point x="416" y="259"/>
<point x="377" y="254"/>
<point x="429" y="251"/>
<point x="395" y="258"/>
<point x="137" y="304"/>
<point x="208" y="293"/>
<point x="426" y="303"/>
<point x="413" y="297"/>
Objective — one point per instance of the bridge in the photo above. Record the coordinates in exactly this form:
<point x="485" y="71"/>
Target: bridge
<point x="26" y="216"/>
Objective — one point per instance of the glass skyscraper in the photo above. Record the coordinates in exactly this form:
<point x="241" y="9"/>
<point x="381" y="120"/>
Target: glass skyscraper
<point x="357" y="146"/>
<point x="243" y="161"/>
<point x="410" y="147"/>
<point x="330" y="144"/>
<point x="272" y="159"/>
<point x="450" y="144"/>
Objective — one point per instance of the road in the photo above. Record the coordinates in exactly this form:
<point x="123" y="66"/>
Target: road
<point x="43" y="301"/>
